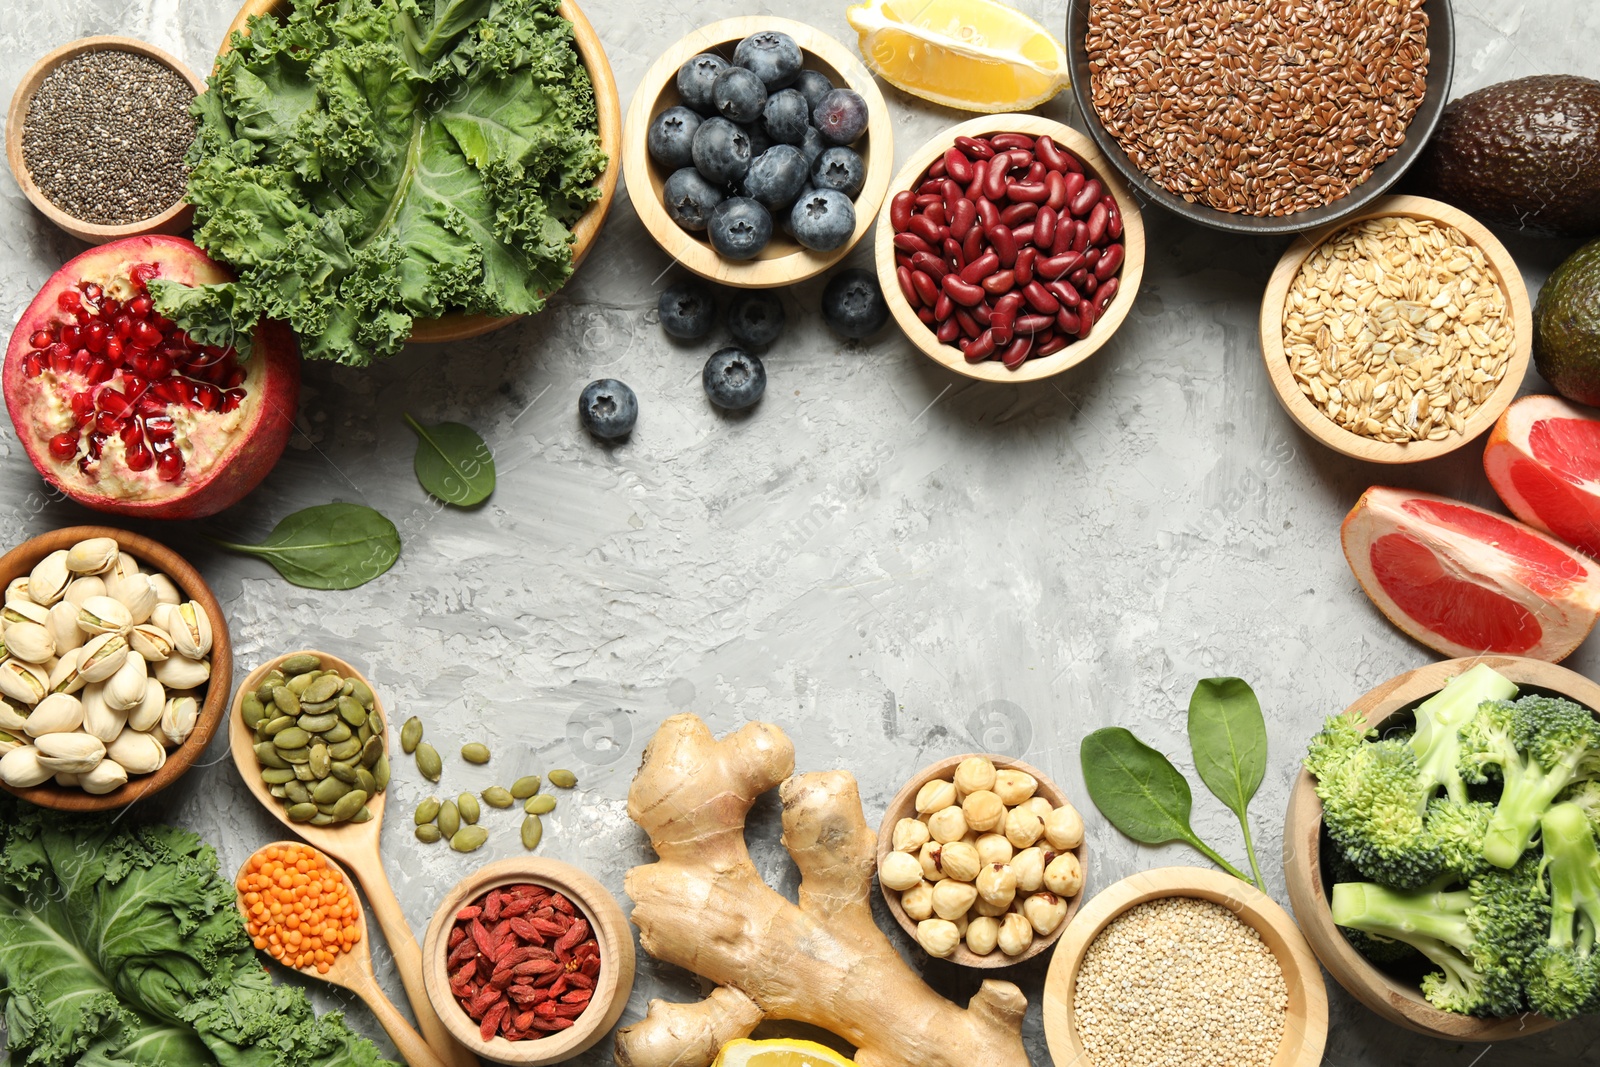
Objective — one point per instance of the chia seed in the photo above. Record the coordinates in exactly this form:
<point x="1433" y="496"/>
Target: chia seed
<point x="105" y="136"/>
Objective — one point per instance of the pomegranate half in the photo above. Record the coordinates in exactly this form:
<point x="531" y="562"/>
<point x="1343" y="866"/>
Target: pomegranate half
<point x="124" y="412"/>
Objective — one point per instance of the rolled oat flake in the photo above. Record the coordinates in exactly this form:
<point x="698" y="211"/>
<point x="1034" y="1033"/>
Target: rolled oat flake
<point x="105" y="135"/>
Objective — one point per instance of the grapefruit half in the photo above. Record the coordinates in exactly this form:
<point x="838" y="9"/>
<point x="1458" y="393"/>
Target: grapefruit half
<point x="1465" y="581"/>
<point x="1543" y="458"/>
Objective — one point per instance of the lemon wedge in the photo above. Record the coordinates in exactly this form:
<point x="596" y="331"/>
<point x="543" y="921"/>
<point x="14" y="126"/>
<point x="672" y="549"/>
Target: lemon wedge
<point x="976" y="55"/>
<point x="779" y="1052"/>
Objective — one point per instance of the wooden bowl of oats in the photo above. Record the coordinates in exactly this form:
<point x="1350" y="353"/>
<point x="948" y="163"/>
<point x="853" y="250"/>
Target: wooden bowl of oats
<point x="1398" y="334"/>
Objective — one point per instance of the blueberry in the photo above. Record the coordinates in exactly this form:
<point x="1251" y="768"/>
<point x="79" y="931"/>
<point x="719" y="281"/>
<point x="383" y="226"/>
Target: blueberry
<point x="755" y="318"/>
<point x="841" y="117"/>
<point x="721" y="151"/>
<point x="813" y="85"/>
<point x="786" y="117"/>
<point x="839" y="168"/>
<point x="734" y="379"/>
<point x="688" y="311"/>
<point x="671" y="137"/>
<point x="690" y="199"/>
<point x="853" y="304"/>
<point x="740" y="228"/>
<point x="608" y="408"/>
<point x="760" y="140"/>
<point x="738" y="95"/>
<point x="822" y="219"/>
<point x="695" y="79"/>
<point x="776" y="177"/>
<point x="813" y="145"/>
<point x="774" y="57"/>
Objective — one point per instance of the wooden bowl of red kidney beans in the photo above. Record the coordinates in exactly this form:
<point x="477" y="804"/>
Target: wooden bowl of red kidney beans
<point x="1011" y="250"/>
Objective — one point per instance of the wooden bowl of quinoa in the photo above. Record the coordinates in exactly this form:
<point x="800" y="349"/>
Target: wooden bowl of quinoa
<point x="1162" y="956"/>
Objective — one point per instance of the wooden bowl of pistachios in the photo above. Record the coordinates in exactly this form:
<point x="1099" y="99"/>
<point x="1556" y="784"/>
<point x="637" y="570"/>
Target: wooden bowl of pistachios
<point x="112" y="642"/>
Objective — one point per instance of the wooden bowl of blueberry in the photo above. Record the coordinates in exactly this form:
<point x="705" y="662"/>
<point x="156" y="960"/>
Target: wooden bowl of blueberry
<point x="757" y="151"/>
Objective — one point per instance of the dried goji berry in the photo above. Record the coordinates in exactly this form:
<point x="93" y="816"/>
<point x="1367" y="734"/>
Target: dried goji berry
<point x="491" y="905"/>
<point x="491" y="1021"/>
<point x="471" y="911"/>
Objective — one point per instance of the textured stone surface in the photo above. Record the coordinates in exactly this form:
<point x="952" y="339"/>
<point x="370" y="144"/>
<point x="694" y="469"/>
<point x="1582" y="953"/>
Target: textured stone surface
<point x="894" y="563"/>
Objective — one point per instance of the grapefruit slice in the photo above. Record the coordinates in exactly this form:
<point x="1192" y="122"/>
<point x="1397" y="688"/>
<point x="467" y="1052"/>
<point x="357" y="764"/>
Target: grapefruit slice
<point x="1543" y="458"/>
<point x="1465" y="581"/>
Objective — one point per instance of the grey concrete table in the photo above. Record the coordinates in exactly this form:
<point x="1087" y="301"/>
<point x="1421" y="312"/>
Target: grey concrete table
<point x="892" y="562"/>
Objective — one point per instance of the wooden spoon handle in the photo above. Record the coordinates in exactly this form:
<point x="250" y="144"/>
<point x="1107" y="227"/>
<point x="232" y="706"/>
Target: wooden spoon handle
<point x="413" y="1049"/>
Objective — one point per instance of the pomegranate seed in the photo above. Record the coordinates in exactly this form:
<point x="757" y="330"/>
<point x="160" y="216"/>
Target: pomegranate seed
<point x="83" y="316"/>
<point x="97" y="444"/>
<point x="63" y="446"/>
<point x="69" y="300"/>
<point x="71" y="336"/>
<point x="160" y="365"/>
<point x="139" y="458"/>
<point x="169" y="466"/>
<point x="114" y="349"/>
<point x="94" y="336"/>
<point x="145" y="335"/>
<point x="106" y="422"/>
<point x="114" y="402"/>
<point x="160" y="428"/>
<point x="92" y="291"/>
<point x="122" y="325"/>
<point x="134" y="386"/>
<point x="208" y="397"/>
<point x="232" y="399"/>
<point x="81" y="360"/>
<point x="139" y="306"/>
<point x="235" y="378"/>
<point x="82" y="407"/>
<point x="40" y="339"/>
<point x="33" y="364"/>
<point x="60" y="358"/>
<point x="101" y="371"/>
<point x="131" y="431"/>
<point x="110" y="306"/>
<point x="171" y="390"/>
<point x="141" y="273"/>
<point x="161" y="323"/>
<point x="149" y="404"/>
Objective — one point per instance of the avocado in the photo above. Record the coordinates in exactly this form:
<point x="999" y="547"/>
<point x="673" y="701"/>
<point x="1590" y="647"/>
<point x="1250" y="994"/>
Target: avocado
<point x="1566" y="327"/>
<point x="1524" y="154"/>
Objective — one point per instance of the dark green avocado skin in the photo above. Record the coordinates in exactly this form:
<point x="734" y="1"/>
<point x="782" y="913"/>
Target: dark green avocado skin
<point x="1566" y="327"/>
<point x="1523" y="154"/>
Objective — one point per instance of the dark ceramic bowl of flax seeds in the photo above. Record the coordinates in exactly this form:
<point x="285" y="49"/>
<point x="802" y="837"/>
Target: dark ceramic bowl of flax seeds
<point x="1272" y="125"/>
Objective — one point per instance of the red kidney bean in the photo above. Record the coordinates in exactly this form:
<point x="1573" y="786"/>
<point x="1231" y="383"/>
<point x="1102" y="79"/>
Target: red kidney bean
<point x="963" y="293"/>
<point x="901" y="259"/>
<point x="907" y="290"/>
<point x="982" y="313"/>
<point x="958" y="166"/>
<point x="1109" y="262"/>
<point x="1017" y="352"/>
<point x="926" y="315"/>
<point x="1086" y="198"/>
<point x="1105" y="294"/>
<point x="900" y="210"/>
<point x="980" y="178"/>
<point x="1091" y="257"/>
<point x="1098" y="217"/>
<point x="1056" y="266"/>
<point x="929" y="230"/>
<point x="1026" y="258"/>
<point x="981" y="348"/>
<point x="1005" y="317"/>
<point x="1001" y="281"/>
<point x="972" y="247"/>
<point x="953" y="254"/>
<point x="944" y="307"/>
<point x="1067" y="321"/>
<point x="1064" y="292"/>
<point x="1023" y="235"/>
<point x="1113" y="219"/>
<point x="1087" y="314"/>
<point x="969" y="325"/>
<point x="1080" y="235"/>
<point x="1044" y="229"/>
<point x="1040" y="300"/>
<point x="1005" y="246"/>
<point x="980" y="268"/>
<point x="1012" y="140"/>
<point x="910" y="242"/>
<point x="931" y="265"/>
<point x="1029" y="192"/>
<point x="988" y="214"/>
<point x="1032" y="323"/>
<point x="1052" y="344"/>
<point x="938" y="169"/>
<point x="1057" y="185"/>
<point x="1017" y="214"/>
<point x="1078" y="276"/>
<point x="1090" y="284"/>
<point x="937" y="213"/>
<point x="927" y="200"/>
<point x="931" y="187"/>
<point x="962" y="216"/>
<point x="925" y="287"/>
<point x="948" y="331"/>
<point x="975" y="146"/>
<point x="1074" y="185"/>
<point x="1036" y="172"/>
<point x="1052" y="156"/>
<point x="994" y="185"/>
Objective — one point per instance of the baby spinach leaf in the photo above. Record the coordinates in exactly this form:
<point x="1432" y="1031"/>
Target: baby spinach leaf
<point x="330" y="546"/>
<point x="1140" y="792"/>
<point x="1229" y="739"/>
<point x="453" y="463"/>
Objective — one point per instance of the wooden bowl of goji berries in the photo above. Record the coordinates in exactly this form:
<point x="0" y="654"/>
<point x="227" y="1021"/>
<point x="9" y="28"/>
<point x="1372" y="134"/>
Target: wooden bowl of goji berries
<point x="528" y="961"/>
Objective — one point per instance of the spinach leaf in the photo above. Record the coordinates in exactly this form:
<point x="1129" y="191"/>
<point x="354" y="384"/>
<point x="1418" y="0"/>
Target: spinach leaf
<point x="1140" y="792"/>
<point x="330" y="546"/>
<point x="453" y="463"/>
<point x="1229" y="739"/>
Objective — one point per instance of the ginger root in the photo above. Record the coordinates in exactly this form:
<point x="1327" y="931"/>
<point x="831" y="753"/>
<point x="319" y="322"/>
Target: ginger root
<point x="702" y="906"/>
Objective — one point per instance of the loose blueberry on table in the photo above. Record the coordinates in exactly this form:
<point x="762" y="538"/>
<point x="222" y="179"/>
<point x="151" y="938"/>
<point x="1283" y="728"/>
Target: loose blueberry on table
<point x="608" y="408"/>
<point x="734" y="379"/>
<point x="853" y="304"/>
<point x="755" y="318"/>
<point x="687" y="310"/>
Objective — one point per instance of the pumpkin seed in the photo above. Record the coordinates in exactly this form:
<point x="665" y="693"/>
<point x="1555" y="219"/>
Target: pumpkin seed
<point x="318" y="724"/>
<point x="277" y="725"/>
<point x="375" y="723"/>
<point x="277" y="791"/>
<point x="543" y="804"/>
<point x="411" y="735"/>
<point x="320" y="763"/>
<point x="276" y="775"/>
<point x="302" y="771"/>
<point x="319" y="707"/>
<point x="449" y="818"/>
<point x="286" y="700"/>
<point x="324" y="688"/>
<point x="427" y="811"/>
<point x="267" y="754"/>
<point x="380" y="772"/>
<point x="268" y="684"/>
<point x="344" y="770"/>
<point x="254" y="711"/>
<point x="297" y="793"/>
<point x="322" y="818"/>
<point x="364" y="815"/>
<point x="428" y="762"/>
<point x="525" y="787"/>
<point x="301" y="812"/>
<point x="361" y="691"/>
<point x="349" y="748"/>
<point x="532" y="832"/>
<point x="293" y="737"/>
<point x="371" y="751"/>
<point x="299" y="663"/>
<point x="347" y="688"/>
<point x="351" y="711"/>
<point x="365" y="781"/>
<point x="563" y="778"/>
<point x="475" y="753"/>
<point x="467" y="804"/>
<point x="349" y="804"/>
<point x="340" y="732"/>
<point x="299" y="683"/>
<point x="428" y="834"/>
<point x="469" y="838"/>
<point x="330" y="789"/>
<point x="497" y="796"/>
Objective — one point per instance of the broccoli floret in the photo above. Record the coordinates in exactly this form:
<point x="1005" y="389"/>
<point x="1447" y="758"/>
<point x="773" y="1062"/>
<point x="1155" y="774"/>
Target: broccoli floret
<point x="1564" y="979"/>
<point x="1336" y="868"/>
<point x="1437" y="738"/>
<point x="1480" y="937"/>
<point x="1538" y="746"/>
<point x="1586" y="794"/>
<point x="1457" y="831"/>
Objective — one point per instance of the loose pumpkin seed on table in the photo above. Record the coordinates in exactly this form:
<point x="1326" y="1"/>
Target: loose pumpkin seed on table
<point x="476" y="752"/>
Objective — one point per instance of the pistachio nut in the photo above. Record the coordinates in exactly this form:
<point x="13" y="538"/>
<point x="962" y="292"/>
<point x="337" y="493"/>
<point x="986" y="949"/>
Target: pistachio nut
<point x="181" y="672"/>
<point x="94" y="555"/>
<point x="124" y="690"/>
<point x="62" y="622"/>
<point x="151" y="642"/>
<point x="139" y="753"/>
<point x="74" y="753"/>
<point x="467" y="805"/>
<point x="48" y="581"/>
<point x="428" y="761"/>
<point x="23" y="611"/>
<point x="99" y="720"/>
<point x="525" y="787"/>
<point x="17" y="591"/>
<point x="166" y="589"/>
<point x="562" y="778"/>
<point x="427" y="811"/>
<point x="532" y="832"/>
<point x="449" y="818"/>
<point x="410" y="735"/>
<point x="147" y="715"/>
<point x="191" y="630"/>
<point x="542" y="804"/>
<point x="476" y="752"/>
<point x="104" y="777"/>
<point x="429" y="834"/>
<point x="102" y="657"/>
<point x="80" y="590"/>
<point x="30" y="642"/>
<point x="103" y="615"/>
<point x="23" y="682"/>
<point x="11" y="720"/>
<point x="469" y="838"/>
<point x="9" y="741"/>
<point x="57" y="713"/>
<point x="21" y="768"/>
<point x="178" y="717"/>
<point x="136" y="594"/>
<point x="65" y="677"/>
<point x="124" y="567"/>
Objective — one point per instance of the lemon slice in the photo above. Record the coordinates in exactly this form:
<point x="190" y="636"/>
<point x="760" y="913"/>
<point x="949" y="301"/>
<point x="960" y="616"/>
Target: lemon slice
<point x="779" y="1052"/>
<point x="976" y="55"/>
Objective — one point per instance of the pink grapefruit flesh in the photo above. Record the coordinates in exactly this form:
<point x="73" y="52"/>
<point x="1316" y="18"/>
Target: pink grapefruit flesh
<point x="1543" y="459"/>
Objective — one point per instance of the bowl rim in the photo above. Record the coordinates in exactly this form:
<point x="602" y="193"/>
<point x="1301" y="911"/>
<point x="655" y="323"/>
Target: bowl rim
<point x="1301" y="972"/>
<point x="903" y="805"/>
<point x="1133" y="240"/>
<point x="1325" y="430"/>
<point x="1396" y="1001"/>
<point x="688" y="249"/>
<point x="458" y="325"/>
<point x="173" y="220"/>
<point x="22" y="559"/>
<point x="606" y="922"/>
<point x="1441" y="21"/>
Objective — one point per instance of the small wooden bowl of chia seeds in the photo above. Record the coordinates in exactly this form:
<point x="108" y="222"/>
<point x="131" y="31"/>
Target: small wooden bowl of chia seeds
<point x="96" y="138"/>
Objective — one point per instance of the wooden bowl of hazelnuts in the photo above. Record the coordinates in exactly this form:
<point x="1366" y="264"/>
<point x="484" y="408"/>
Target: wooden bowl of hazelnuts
<point x="981" y="860"/>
